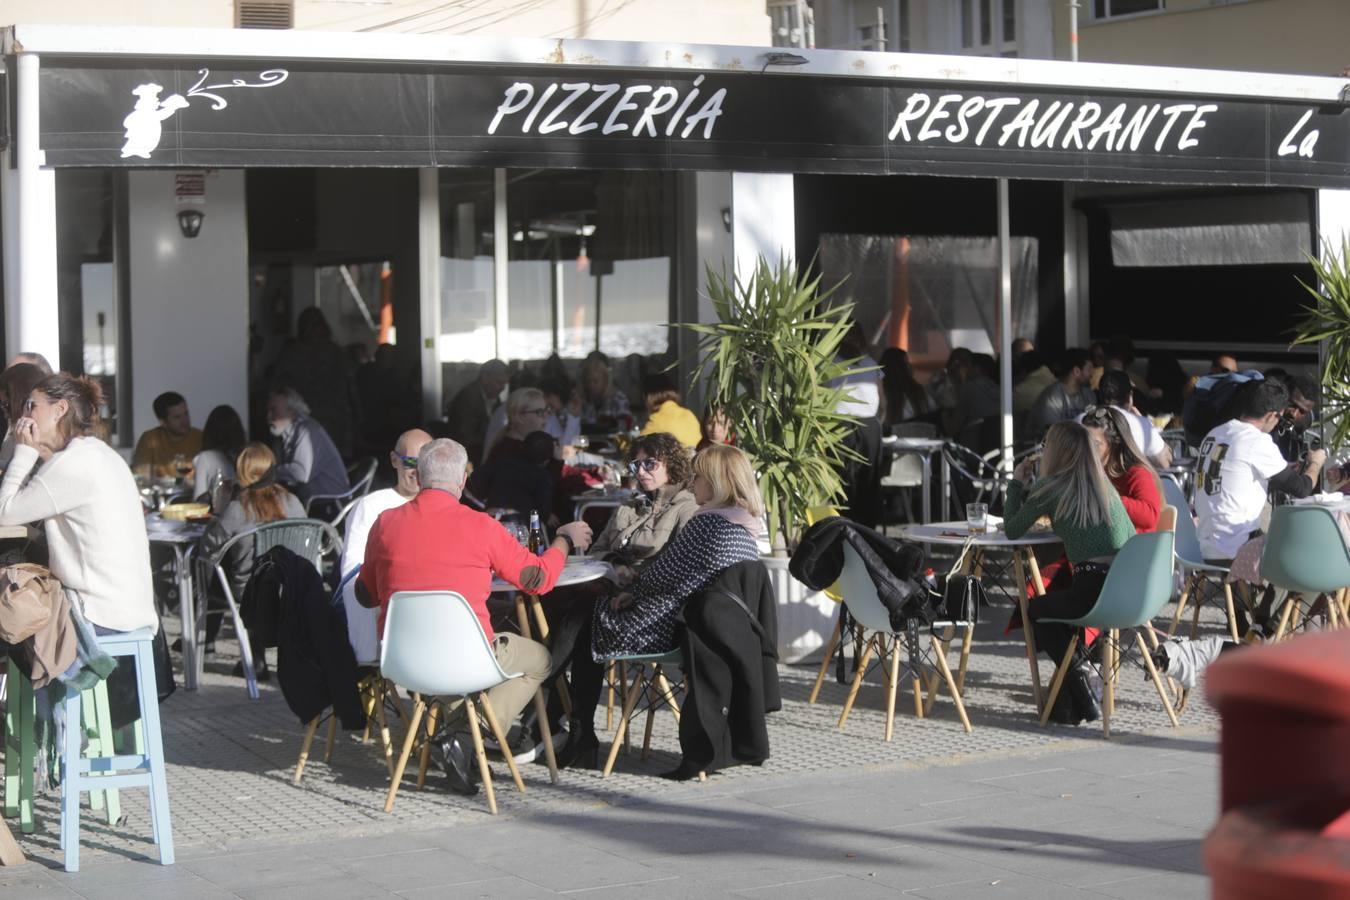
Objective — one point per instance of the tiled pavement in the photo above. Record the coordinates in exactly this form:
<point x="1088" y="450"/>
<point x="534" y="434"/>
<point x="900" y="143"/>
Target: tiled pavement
<point x="1010" y="810"/>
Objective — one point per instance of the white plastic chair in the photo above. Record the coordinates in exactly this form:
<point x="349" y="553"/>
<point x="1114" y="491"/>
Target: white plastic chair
<point x="866" y="608"/>
<point x="435" y="647"/>
<point x="1194" y="569"/>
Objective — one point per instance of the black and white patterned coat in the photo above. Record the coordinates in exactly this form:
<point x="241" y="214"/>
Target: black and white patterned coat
<point x="703" y="549"/>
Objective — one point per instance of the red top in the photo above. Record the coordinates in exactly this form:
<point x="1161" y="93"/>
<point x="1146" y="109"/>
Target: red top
<point x="435" y="543"/>
<point x="1138" y="489"/>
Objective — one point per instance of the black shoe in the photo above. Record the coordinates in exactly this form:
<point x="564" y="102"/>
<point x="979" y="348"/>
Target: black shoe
<point x="261" y="671"/>
<point x="582" y="747"/>
<point x="1080" y="689"/>
<point x="1064" y="712"/>
<point x="685" y="771"/>
<point x="452" y="758"/>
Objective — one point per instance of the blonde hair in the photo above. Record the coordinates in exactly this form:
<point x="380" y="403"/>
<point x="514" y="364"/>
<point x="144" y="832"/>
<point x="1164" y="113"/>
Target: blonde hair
<point x="1072" y="472"/>
<point x="261" y="502"/>
<point x="730" y="476"/>
<point x="520" y="400"/>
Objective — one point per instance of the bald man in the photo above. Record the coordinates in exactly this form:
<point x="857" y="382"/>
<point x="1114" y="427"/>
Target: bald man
<point x="361" y="628"/>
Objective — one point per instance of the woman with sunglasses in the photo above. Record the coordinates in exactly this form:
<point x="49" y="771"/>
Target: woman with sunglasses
<point x="1088" y="516"/>
<point x="640" y="528"/>
<point x="65" y="476"/>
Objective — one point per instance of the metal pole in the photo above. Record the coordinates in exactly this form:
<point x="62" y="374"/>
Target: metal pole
<point x="501" y="236"/>
<point x="429" y="288"/>
<point x="1073" y="30"/>
<point x="1005" y="334"/>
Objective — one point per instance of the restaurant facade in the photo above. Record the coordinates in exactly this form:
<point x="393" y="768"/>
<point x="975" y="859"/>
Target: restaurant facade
<point x="172" y="198"/>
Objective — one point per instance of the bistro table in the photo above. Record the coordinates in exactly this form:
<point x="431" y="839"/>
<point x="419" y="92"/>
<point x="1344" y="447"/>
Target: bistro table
<point x="182" y="538"/>
<point x="578" y="570"/>
<point x="1024" y="564"/>
<point x="925" y="449"/>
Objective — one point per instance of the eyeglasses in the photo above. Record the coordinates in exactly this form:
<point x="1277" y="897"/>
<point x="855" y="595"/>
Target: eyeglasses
<point x="408" y="462"/>
<point x="541" y="411"/>
<point x="643" y="465"/>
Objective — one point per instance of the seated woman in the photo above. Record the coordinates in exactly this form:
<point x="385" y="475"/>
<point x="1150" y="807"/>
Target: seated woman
<point x="639" y="529"/>
<point x="526" y="412"/>
<point x="16" y="383"/>
<point x="222" y="439"/>
<point x="665" y="414"/>
<point x="259" y="500"/>
<point x="87" y="500"/>
<point x="1087" y="515"/>
<point x="641" y="619"/>
<point x="1125" y="466"/>
<point x="716" y="428"/>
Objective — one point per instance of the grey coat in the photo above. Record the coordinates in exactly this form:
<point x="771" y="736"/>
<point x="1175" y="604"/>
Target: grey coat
<point x="640" y="529"/>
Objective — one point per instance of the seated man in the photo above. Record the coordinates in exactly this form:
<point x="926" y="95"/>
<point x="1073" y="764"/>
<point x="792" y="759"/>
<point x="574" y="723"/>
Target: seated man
<point x="1239" y="465"/>
<point x="1065" y="399"/>
<point x="174" y="437"/>
<point x="308" y="461"/>
<point x="1116" y="391"/>
<point x="434" y="542"/>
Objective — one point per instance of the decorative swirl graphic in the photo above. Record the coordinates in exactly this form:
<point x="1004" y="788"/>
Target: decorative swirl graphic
<point x="268" y="78"/>
<point x="143" y="128"/>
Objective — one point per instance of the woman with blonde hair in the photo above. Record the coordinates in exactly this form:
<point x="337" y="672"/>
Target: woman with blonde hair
<point x="1088" y="516"/>
<point x="640" y="618"/>
<point x="260" y="499"/>
<point x="526" y="412"/>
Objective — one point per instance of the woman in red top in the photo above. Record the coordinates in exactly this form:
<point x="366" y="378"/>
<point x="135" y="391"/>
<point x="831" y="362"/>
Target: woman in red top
<point x="1134" y="479"/>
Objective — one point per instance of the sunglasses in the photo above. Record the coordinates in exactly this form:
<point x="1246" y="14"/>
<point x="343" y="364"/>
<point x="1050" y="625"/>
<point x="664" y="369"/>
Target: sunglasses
<point x="643" y="465"/>
<point x="409" y="462"/>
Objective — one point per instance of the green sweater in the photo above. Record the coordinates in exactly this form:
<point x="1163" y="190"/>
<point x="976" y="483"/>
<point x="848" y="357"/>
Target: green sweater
<point x="1104" y="539"/>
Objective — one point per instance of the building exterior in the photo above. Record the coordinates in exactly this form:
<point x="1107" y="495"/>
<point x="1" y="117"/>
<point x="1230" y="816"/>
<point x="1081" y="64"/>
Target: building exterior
<point x="1011" y="28"/>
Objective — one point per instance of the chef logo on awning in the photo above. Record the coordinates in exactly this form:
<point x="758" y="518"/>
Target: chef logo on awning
<point x="144" y="123"/>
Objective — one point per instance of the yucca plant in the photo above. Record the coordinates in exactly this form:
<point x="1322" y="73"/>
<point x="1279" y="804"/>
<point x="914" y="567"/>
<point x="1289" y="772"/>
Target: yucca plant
<point x="766" y="363"/>
<point x="1327" y="318"/>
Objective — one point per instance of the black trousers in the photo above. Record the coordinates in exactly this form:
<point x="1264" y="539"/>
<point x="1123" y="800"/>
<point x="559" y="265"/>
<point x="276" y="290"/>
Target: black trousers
<point x="1053" y="637"/>
<point x="572" y="647"/>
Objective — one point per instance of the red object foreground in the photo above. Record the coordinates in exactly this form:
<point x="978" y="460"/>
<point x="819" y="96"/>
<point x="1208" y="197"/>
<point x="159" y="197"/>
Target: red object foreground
<point x="1285" y="828"/>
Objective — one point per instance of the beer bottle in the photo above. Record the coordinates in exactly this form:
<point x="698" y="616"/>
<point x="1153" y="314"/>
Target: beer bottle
<point x="536" y="542"/>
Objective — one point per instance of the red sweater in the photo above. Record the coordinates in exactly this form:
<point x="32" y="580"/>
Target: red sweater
<point x="435" y="543"/>
<point x="1138" y="489"/>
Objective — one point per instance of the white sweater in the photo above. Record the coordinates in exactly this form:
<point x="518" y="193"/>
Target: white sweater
<point x="87" y="501"/>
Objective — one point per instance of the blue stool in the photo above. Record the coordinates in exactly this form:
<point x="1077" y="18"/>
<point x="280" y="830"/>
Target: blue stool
<point x="104" y="772"/>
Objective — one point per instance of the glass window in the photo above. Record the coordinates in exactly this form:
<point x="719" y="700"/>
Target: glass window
<point x="1106" y="9"/>
<point x="986" y="23"/>
<point x="904" y="42"/>
<point x="1009" y="21"/>
<point x="967" y="24"/>
<point x="468" y="327"/>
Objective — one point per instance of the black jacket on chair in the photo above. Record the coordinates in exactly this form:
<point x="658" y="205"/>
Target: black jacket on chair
<point x="729" y="639"/>
<point x="286" y="605"/>
<point x="892" y="564"/>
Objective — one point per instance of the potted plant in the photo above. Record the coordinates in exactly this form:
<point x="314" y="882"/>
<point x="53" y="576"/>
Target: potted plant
<point x="1327" y="319"/>
<point x="766" y="364"/>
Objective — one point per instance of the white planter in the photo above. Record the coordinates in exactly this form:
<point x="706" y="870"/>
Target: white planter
<point x="805" y="617"/>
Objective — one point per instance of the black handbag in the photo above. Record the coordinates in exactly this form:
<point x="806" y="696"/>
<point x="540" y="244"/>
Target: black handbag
<point x="957" y="597"/>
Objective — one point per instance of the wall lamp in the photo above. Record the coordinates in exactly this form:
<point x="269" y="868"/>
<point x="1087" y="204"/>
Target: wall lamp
<point x="190" y="222"/>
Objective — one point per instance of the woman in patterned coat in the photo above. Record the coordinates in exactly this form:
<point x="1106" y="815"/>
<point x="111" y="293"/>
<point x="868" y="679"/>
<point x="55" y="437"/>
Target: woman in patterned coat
<point x="641" y="617"/>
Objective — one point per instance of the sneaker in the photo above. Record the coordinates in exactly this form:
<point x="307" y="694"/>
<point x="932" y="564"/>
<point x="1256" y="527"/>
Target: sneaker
<point x="523" y="747"/>
<point x="451" y="757"/>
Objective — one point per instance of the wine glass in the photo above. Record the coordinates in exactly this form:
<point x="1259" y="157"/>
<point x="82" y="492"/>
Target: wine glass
<point x="182" y="465"/>
<point x="612" y="482"/>
<point x="581" y="442"/>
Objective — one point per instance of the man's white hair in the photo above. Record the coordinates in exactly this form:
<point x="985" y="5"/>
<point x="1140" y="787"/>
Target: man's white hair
<point x="441" y="464"/>
<point x="293" y="399"/>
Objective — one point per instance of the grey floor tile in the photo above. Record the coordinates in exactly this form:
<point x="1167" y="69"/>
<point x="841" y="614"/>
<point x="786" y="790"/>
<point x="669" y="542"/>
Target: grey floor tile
<point x="508" y="888"/>
<point x="1172" y="885"/>
<point x="419" y="868"/>
<point x="333" y="888"/>
<point x="1015" y="887"/>
<point x="828" y="886"/>
<point x="184" y="885"/>
<point x="259" y="870"/>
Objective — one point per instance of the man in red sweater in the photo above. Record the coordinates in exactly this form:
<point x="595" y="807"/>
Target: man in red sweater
<point x="434" y="543"/>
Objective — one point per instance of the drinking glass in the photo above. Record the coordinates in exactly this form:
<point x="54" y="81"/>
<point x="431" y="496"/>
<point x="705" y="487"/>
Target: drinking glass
<point x="977" y="517"/>
<point x="182" y="465"/>
<point x="581" y="442"/>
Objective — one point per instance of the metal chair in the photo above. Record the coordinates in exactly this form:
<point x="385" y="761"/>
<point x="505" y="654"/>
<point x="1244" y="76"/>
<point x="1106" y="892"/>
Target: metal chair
<point x="360" y="475"/>
<point x="860" y="593"/>
<point x="1138" y="585"/>
<point x="435" y="647"/>
<point x="1306" y="556"/>
<point x="1192" y="561"/>
<point x="980" y="478"/>
<point x="310" y="539"/>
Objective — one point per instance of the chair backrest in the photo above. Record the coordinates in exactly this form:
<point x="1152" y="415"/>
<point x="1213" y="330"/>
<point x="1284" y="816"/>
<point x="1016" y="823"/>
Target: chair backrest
<point x="860" y="593"/>
<point x="1138" y="585"/>
<point x="813" y="515"/>
<point x="1167" y="518"/>
<point x="915" y="430"/>
<point x="1188" y="540"/>
<point x="905" y="470"/>
<point x="362" y="623"/>
<point x="361" y="474"/>
<point x="1305" y="552"/>
<point x="311" y="539"/>
<point x="434" y="644"/>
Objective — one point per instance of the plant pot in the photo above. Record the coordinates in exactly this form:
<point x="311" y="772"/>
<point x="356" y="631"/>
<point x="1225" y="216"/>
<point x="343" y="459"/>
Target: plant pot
<point x="805" y="617"/>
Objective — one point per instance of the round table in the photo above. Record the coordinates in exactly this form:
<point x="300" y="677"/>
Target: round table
<point x="577" y="570"/>
<point x="600" y="497"/>
<point x="181" y="537"/>
<point x="1024" y="564"/>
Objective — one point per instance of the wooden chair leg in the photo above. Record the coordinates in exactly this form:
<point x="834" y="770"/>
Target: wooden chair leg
<point x="857" y="682"/>
<point x="424" y="756"/>
<point x="1060" y="671"/>
<point x="1199" y="607"/>
<point x="1109" y="679"/>
<point x="386" y="742"/>
<point x="418" y="708"/>
<point x="490" y="714"/>
<point x="629" y="703"/>
<point x="965" y="656"/>
<point x="1187" y="586"/>
<point x="610" y="672"/>
<point x="667" y="693"/>
<point x="312" y="727"/>
<point x="940" y="651"/>
<point x="891" y="667"/>
<point x="1289" y="602"/>
<point x="10" y="854"/>
<point x="830" y="647"/>
<point x="484" y="772"/>
<point x="1231" y="610"/>
<point x="1157" y="681"/>
<point x="1028" y="632"/>
<point x="1333" y="611"/>
<point x="915" y="681"/>
<point x="541" y="714"/>
<point x="332" y="737"/>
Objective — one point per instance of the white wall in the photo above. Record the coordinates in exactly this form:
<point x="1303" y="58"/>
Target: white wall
<point x="763" y="219"/>
<point x="189" y="298"/>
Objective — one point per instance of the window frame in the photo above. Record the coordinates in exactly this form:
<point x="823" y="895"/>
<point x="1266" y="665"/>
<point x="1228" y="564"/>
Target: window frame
<point x="1119" y="17"/>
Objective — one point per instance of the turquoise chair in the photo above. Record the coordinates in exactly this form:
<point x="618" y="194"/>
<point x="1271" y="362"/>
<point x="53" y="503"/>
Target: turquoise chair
<point x="866" y="608"/>
<point x="1194" y="569"/>
<point x="648" y="680"/>
<point x="1305" y="555"/>
<point x="1138" y="586"/>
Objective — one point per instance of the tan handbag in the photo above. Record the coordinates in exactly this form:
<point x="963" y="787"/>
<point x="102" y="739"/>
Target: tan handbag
<point x="29" y="597"/>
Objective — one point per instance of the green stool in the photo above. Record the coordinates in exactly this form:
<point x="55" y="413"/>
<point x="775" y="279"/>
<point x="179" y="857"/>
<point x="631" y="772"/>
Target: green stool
<point x="20" y="749"/>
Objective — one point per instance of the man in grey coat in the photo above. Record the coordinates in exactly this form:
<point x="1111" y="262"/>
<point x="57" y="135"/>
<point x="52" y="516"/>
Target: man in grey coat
<point x="308" y="461"/>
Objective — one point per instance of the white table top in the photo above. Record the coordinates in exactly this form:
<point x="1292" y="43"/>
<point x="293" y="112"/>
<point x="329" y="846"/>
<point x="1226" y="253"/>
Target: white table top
<point x="579" y="569"/>
<point x="171" y="531"/>
<point x="958" y="533"/>
<point x="892" y="442"/>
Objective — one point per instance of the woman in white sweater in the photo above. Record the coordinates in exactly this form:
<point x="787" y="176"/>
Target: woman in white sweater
<point x="86" y="499"/>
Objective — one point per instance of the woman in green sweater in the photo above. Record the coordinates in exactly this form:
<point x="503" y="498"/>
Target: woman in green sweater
<point x="1087" y="515"/>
